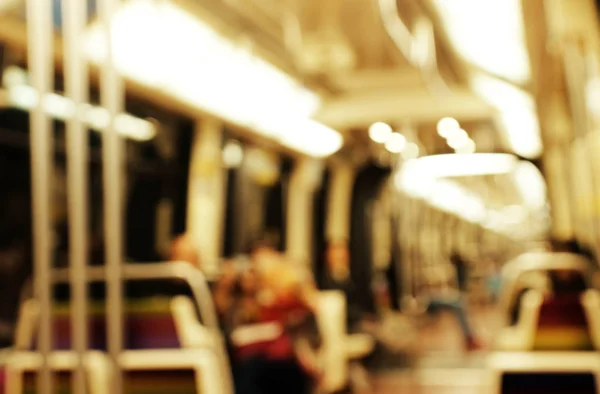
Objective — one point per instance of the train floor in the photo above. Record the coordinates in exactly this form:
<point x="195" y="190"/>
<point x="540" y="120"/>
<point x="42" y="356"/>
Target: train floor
<point x="441" y="364"/>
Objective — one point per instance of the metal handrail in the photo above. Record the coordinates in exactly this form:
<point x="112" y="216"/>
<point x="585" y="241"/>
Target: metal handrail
<point x="165" y="270"/>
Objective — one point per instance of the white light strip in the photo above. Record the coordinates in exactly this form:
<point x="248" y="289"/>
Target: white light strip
<point x="160" y="45"/>
<point x="531" y="185"/>
<point x="517" y="114"/>
<point x="424" y="178"/>
<point x="489" y="34"/>
<point x="456" y="165"/>
<point x="25" y="97"/>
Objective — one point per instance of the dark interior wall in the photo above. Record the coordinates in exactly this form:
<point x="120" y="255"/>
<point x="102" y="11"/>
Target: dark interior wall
<point x="394" y="272"/>
<point x="183" y="157"/>
<point x="319" y="241"/>
<point x="245" y="200"/>
<point x="229" y="249"/>
<point x="365" y="190"/>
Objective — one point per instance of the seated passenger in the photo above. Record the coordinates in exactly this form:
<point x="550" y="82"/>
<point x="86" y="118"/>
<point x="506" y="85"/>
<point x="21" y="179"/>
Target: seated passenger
<point x="267" y="315"/>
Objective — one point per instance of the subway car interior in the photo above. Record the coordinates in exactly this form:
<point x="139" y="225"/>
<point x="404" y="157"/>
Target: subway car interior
<point x="299" y="196"/>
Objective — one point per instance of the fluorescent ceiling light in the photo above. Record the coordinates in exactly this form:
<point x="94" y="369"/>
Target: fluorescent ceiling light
<point x="160" y="45"/>
<point x="488" y="34"/>
<point x="380" y="132"/>
<point x="531" y="185"/>
<point x="410" y="151"/>
<point x="25" y="97"/>
<point x="458" y="139"/>
<point x="233" y="154"/>
<point x="395" y="143"/>
<point x="446" y="126"/>
<point x="468" y="148"/>
<point x="425" y="179"/>
<point x="457" y="165"/>
<point x="517" y="114"/>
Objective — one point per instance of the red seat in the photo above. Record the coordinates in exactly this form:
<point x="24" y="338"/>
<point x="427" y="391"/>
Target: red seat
<point x="562" y="324"/>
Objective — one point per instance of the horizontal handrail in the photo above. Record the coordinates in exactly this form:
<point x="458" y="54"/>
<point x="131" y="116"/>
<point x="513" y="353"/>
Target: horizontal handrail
<point x="165" y="270"/>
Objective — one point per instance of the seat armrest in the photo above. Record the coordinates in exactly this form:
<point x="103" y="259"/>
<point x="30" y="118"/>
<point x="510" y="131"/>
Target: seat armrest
<point x="590" y="300"/>
<point x="522" y="335"/>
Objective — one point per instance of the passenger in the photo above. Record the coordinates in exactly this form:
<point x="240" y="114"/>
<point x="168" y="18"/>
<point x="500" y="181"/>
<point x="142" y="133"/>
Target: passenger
<point x="456" y="302"/>
<point x="494" y="281"/>
<point x="267" y="315"/>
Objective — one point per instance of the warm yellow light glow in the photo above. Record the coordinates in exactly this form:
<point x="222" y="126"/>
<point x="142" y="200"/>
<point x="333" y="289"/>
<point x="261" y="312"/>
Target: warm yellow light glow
<point x="517" y="114"/>
<point x="455" y="165"/>
<point x="467" y="148"/>
<point x="427" y="179"/>
<point x="158" y="44"/>
<point x="489" y="34"/>
<point x="59" y="107"/>
<point x="446" y="126"/>
<point x="411" y="151"/>
<point x="233" y="154"/>
<point x="395" y="143"/>
<point x="380" y="132"/>
<point x="458" y="139"/>
<point x="531" y="185"/>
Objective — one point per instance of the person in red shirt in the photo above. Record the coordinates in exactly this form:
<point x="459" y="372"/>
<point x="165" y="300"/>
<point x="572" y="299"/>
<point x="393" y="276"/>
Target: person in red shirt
<point x="266" y="309"/>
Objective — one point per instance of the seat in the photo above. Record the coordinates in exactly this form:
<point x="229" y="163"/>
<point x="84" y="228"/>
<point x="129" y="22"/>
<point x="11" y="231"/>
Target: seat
<point x="21" y="366"/>
<point x="158" y="354"/>
<point x="562" y="324"/>
<point x="149" y="325"/>
<point x="521" y="336"/>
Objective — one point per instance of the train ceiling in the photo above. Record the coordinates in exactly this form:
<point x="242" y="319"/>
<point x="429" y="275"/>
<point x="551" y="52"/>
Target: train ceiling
<point x="408" y="63"/>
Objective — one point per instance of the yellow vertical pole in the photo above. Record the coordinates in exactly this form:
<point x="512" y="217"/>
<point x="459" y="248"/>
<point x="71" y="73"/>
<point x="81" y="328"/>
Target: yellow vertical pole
<point x="39" y="29"/>
<point x="111" y="97"/>
<point x="76" y="86"/>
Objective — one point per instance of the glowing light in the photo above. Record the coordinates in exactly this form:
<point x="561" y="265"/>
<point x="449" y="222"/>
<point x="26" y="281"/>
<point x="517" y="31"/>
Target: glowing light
<point x="210" y="72"/>
<point x="458" y="139"/>
<point x="380" y="132"/>
<point x="411" y="151"/>
<point x="494" y="40"/>
<point x="97" y="118"/>
<point x="233" y="155"/>
<point x="455" y="165"/>
<point x="517" y="114"/>
<point x="467" y="148"/>
<point x="446" y="126"/>
<point x="531" y="185"/>
<point x="395" y="143"/>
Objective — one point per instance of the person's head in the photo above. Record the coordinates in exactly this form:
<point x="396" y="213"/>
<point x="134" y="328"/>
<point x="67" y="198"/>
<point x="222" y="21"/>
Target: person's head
<point x="183" y="248"/>
<point x="249" y="282"/>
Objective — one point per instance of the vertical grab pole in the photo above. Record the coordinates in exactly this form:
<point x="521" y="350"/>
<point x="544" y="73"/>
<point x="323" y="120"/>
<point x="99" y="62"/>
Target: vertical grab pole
<point x="76" y="86"/>
<point x="40" y="59"/>
<point x="112" y="99"/>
